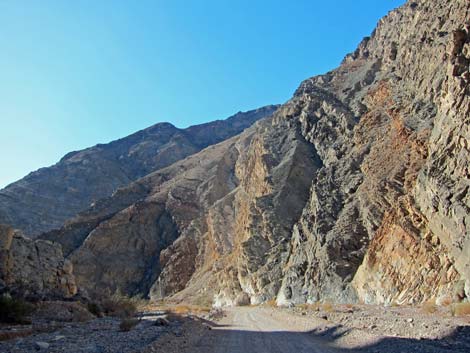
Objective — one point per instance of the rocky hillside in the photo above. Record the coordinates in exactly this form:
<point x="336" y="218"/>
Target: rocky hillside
<point x="33" y="269"/>
<point x="357" y="189"/>
<point x="44" y="199"/>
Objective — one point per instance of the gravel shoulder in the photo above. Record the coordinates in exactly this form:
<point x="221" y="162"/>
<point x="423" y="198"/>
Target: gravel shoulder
<point x="101" y="335"/>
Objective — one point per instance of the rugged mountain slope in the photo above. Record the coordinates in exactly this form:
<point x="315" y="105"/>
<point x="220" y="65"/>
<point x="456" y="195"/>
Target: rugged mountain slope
<point x="33" y="269"/>
<point x="355" y="189"/>
<point x="417" y="76"/>
<point x="118" y="243"/>
<point x="44" y="199"/>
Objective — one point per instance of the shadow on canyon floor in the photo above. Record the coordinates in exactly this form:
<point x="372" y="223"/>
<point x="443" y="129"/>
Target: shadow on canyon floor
<point x="457" y="341"/>
<point x="328" y="340"/>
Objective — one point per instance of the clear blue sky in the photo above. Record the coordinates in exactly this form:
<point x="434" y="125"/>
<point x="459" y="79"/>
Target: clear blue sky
<point x="76" y="73"/>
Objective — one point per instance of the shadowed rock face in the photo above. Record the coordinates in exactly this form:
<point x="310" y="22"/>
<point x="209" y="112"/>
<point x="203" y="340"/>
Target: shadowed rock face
<point x="355" y="189"/>
<point x="34" y="269"/>
<point x="44" y="199"/>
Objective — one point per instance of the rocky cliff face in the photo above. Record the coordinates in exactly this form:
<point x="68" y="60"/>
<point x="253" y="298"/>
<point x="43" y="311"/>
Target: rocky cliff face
<point x="397" y="85"/>
<point x="357" y="189"/>
<point x="34" y="269"/>
<point x="44" y="199"/>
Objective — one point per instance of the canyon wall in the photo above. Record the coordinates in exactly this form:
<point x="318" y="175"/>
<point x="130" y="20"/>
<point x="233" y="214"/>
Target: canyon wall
<point x="34" y="269"/>
<point x="356" y="189"/>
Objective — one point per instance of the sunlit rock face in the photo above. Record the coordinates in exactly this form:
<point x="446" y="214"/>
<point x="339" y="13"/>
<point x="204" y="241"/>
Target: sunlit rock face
<point x="356" y="189"/>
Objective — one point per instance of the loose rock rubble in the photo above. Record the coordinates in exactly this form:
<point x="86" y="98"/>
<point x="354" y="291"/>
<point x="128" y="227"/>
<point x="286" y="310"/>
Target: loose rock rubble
<point x="394" y="327"/>
<point x="101" y="335"/>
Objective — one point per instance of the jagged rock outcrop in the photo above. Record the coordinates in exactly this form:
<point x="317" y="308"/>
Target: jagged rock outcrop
<point x="396" y="83"/>
<point x="46" y="198"/>
<point x="357" y="189"/>
<point x="35" y="269"/>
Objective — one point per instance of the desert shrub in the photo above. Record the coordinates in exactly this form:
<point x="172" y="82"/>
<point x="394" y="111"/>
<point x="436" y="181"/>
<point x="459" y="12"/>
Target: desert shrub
<point x="446" y="301"/>
<point x="460" y="309"/>
<point x="316" y="306"/>
<point x="173" y="317"/>
<point x="309" y="306"/>
<point x="429" y="307"/>
<point x="183" y="309"/>
<point x="10" y="335"/>
<point x="14" y="310"/>
<point x="199" y="309"/>
<point x="216" y="313"/>
<point x="328" y="307"/>
<point x="272" y="303"/>
<point x="120" y="305"/>
<point x="128" y="324"/>
<point x="95" y="309"/>
<point x="203" y="302"/>
<point x="180" y="309"/>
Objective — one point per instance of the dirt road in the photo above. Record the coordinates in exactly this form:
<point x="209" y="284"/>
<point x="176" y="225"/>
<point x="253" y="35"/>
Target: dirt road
<point x="275" y="330"/>
<point x="263" y="331"/>
<point x="260" y="330"/>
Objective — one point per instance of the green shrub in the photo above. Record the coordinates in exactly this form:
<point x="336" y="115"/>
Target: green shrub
<point x="95" y="309"/>
<point x="120" y="305"/>
<point x="128" y="324"/>
<point x="14" y="310"/>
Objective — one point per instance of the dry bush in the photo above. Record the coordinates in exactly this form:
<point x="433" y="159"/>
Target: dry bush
<point x="120" y="305"/>
<point x="303" y="306"/>
<point x="311" y="306"/>
<point x="201" y="309"/>
<point x="9" y="335"/>
<point x="318" y="306"/>
<point x="350" y="308"/>
<point x="460" y="309"/>
<point x="128" y="324"/>
<point x="95" y="309"/>
<point x="183" y="309"/>
<point x="154" y="306"/>
<point x="180" y="309"/>
<point x="216" y="313"/>
<point x="446" y="302"/>
<point x="14" y="311"/>
<point x="272" y="303"/>
<point x="172" y="317"/>
<point x="429" y="307"/>
<point x="203" y="302"/>
<point x="315" y="306"/>
<point x="328" y="307"/>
